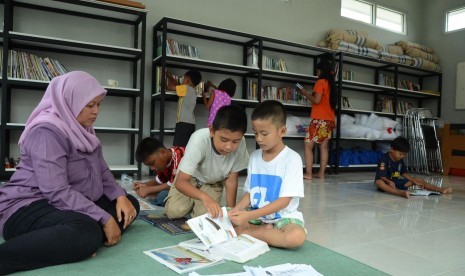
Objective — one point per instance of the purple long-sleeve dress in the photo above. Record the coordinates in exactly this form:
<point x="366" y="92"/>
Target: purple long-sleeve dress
<point x="51" y="168"/>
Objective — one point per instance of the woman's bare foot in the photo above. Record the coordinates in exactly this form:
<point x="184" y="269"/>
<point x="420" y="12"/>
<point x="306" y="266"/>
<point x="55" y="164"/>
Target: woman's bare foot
<point x="447" y="190"/>
<point x="307" y="176"/>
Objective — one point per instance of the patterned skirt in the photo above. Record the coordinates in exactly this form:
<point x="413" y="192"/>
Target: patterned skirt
<point x="319" y="130"/>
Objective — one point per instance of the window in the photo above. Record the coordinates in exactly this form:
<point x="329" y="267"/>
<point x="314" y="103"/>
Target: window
<point x="455" y="20"/>
<point x="374" y="14"/>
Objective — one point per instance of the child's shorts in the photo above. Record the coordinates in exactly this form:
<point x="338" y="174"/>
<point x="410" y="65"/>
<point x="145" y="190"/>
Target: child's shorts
<point x="399" y="183"/>
<point x="319" y="130"/>
<point x="281" y="223"/>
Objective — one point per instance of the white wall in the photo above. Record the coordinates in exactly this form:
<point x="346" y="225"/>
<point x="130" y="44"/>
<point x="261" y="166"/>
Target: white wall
<point x="450" y="50"/>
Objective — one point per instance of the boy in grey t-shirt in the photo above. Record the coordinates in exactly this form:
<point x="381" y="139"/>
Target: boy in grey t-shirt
<point x="212" y="161"/>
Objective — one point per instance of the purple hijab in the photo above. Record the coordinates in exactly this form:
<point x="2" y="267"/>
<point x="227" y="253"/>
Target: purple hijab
<point x="65" y="97"/>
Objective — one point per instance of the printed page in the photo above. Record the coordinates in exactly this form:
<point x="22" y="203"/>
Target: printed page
<point x="212" y="231"/>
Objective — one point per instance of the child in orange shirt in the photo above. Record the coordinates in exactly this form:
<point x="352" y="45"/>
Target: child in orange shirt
<point x="322" y="118"/>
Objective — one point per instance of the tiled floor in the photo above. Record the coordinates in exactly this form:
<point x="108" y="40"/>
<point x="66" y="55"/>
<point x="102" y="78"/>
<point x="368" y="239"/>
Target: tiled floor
<point x="416" y="236"/>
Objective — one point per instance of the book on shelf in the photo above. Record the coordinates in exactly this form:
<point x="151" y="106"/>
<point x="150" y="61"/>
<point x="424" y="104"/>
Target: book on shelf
<point x="346" y="103"/>
<point x="252" y="57"/>
<point x="286" y="95"/>
<point x="385" y="80"/>
<point x="268" y="62"/>
<point x="177" y="49"/>
<point x="348" y="75"/>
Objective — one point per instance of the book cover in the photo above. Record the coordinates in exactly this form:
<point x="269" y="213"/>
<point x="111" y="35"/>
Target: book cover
<point x="420" y="192"/>
<point x="180" y="259"/>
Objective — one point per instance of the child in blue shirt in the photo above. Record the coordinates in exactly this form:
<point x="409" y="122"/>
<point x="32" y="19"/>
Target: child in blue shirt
<point x="391" y="173"/>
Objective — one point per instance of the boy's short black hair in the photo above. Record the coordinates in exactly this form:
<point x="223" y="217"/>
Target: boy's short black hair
<point x="270" y="109"/>
<point x="231" y="117"/>
<point x="228" y="86"/>
<point x="400" y="144"/>
<point x="195" y="76"/>
<point x="147" y="147"/>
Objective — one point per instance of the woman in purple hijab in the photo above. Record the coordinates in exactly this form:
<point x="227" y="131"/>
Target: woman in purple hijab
<point x="62" y="203"/>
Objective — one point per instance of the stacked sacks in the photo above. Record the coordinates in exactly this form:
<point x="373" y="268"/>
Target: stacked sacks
<point x="422" y="55"/>
<point x="371" y="127"/>
<point x="404" y="52"/>
<point x="351" y="41"/>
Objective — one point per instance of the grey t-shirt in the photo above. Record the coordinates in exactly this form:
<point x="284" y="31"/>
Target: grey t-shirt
<point x="202" y="162"/>
<point x="186" y="106"/>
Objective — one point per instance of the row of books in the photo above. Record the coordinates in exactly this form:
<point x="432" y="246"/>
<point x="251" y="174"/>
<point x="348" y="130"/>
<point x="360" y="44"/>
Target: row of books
<point x="283" y="94"/>
<point x="173" y="80"/>
<point x="348" y="75"/>
<point x="31" y="67"/>
<point x="387" y="105"/>
<point x="268" y="62"/>
<point x="177" y="49"/>
<point x="387" y="80"/>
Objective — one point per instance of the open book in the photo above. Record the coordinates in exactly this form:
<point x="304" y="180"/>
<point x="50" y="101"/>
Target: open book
<point x="181" y="259"/>
<point x="420" y="192"/>
<point x="217" y="237"/>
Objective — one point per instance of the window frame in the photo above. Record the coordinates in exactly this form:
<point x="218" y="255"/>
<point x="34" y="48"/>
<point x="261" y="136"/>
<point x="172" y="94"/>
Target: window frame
<point x="446" y="18"/>
<point x="374" y="17"/>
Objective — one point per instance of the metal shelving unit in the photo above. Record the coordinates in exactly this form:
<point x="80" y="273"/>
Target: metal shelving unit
<point x="131" y="18"/>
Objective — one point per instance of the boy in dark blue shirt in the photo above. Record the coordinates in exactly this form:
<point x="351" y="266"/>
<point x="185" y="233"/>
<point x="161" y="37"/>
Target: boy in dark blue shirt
<point x="391" y="167"/>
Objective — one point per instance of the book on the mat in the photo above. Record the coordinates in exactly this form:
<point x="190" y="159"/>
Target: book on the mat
<point x="217" y="237"/>
<point x="170" y="226"/>
<point x="182" y="259"/>
<point x="239" y="249"/>
<point x="420" y="192"/>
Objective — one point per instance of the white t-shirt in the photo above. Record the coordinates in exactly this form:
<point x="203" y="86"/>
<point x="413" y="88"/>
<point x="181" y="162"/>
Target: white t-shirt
<point x="280" y="177"/>
<point x="202" y="162"/>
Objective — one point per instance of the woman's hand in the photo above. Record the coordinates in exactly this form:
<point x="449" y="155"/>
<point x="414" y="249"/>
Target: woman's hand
<point x="124" y="206"/>
<point x="112" y="232"/>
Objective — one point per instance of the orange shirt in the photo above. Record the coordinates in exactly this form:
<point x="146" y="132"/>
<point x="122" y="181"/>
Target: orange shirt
<point x="322" y="110"/>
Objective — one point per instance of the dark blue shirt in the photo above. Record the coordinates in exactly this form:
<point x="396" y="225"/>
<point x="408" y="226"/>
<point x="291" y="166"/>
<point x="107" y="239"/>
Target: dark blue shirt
<point x="389" y="168"/>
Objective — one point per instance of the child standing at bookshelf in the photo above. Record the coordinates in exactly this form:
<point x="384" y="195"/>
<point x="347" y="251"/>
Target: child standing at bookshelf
<point x="213" y="159"/>
<point x="219" y="97"/>
<point x="164" y="161"/>
<point x="185" y="119"/>
<point x="391" y="167"/>
<point x="274" y="184"/>
<point x="322" y="118"/>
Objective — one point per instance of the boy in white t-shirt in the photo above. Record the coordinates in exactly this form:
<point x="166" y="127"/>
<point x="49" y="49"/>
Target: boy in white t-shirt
<point x="274" y="184"/>
<point x="212" y="161"/>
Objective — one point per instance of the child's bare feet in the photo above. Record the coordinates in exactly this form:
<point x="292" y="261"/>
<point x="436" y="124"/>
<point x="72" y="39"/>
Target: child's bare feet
<point x="447" y="190"/>
<point x="320" y="175"/>
<point x="405" y="194"/>
<point x="307" y="176"/>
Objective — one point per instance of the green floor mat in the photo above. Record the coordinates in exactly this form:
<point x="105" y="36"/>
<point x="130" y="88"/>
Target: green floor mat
<point x="127" y="258"/>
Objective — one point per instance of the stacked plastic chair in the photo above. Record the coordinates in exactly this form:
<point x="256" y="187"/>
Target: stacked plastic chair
<point x="425" y="152"/>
